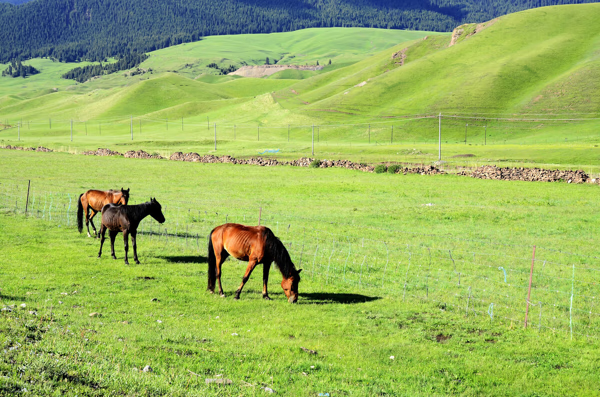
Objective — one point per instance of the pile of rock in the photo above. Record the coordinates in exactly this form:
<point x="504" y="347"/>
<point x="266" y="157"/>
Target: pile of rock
<point x="179" y="156"/>
<point x="43" y="149"/>
<point x="140" y="154"/>
<point x="424" y="170"/>
<point x="345" y="164"/>
<point x="301" y="162"/>
<point x="527" y="174"/>
<point x="102" y="152"/>
<point x="27" y="149"/>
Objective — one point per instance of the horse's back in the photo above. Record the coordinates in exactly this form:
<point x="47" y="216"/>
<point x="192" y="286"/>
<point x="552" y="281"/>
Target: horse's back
<point x="112" y="215"/>
<point x="236" y="229"/>
<point x="240" y="241"/>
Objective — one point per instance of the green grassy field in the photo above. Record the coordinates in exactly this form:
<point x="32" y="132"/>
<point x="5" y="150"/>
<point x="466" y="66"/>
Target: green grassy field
<point x="411" y="284"/>
<point x="442" y="342"/>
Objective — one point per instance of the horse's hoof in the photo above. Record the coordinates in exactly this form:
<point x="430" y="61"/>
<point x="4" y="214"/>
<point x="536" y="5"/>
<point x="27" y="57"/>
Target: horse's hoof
<point x="222" y="295"/>
<point x="127" y="263"/>
<point x="237" y="298"/>
<point x="266" y="297"/>
<point x="137" y="262"/>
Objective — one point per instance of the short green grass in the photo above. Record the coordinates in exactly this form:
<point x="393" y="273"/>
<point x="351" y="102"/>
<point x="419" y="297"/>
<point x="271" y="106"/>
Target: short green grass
<point x="188" y="335"/>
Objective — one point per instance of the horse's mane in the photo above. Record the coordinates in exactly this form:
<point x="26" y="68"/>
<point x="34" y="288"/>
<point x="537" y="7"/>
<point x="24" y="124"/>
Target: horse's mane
<point x="137" y="211"/>
<point x="280" y="256"/>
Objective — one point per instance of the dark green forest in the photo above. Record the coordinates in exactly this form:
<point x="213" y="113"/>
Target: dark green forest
<point x="82" y="74"/>
<point x="17" y="69"/>
<point x="72" y="30"/>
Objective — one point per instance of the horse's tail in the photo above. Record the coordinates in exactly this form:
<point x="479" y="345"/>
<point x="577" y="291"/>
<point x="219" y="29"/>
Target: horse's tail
<point x="80" y="214"/>
<point x="212" y="264"/>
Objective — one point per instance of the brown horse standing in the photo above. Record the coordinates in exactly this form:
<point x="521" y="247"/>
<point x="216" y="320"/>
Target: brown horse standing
<point x="93" y="201"/>
<point x="126" y="219"/>
<point x="253" y="244"/>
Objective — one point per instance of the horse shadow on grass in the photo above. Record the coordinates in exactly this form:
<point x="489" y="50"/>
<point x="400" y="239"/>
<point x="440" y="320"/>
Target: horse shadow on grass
<point x="324" y="298"/>
<point x="185" y="259"/>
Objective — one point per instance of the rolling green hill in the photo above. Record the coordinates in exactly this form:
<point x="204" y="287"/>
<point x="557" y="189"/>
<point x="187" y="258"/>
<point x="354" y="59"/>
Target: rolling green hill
<point x="544" y="60"/>
<point x="541" y="64"/>
<point x="180" y="75"/>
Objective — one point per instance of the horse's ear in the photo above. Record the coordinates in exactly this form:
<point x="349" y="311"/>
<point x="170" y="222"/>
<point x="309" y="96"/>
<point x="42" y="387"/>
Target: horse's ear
<point x="299" y="271"/>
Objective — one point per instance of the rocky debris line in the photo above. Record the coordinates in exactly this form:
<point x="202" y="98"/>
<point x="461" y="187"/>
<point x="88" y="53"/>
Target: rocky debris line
<point x="301" y="162"/>
<point x="527" y="174"/>
<point x="424" y="170"/>
<point x="102" y="152"/>
<point x="43" y="149"/>
<point x="140" y="154"/>
<point x="400" y="57"/>
<point x="27" y="149"/>
<point x="460" y="30"/>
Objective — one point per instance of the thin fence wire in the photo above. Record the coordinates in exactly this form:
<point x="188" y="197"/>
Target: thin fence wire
<point x="470" y="278"/>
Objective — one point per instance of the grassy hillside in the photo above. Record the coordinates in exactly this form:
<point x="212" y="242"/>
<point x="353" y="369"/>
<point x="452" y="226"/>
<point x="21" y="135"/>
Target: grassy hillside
<point x="542" y="65"/>
<point x="542" y="60"/>
<point x="145" y="93"/>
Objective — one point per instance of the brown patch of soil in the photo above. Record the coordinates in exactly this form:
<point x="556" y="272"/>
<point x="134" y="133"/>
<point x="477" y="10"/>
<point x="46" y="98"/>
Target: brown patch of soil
<point x="441" y="338"/>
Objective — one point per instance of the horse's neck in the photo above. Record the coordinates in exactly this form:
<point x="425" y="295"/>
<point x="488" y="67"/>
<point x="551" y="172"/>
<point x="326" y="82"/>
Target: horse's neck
<point x="113" y="197"/>
<point x="141" y="211"/>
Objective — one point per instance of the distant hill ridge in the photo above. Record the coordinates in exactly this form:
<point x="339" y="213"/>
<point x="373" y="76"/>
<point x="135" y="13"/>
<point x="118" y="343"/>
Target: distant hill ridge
<point x="71" y="30"/>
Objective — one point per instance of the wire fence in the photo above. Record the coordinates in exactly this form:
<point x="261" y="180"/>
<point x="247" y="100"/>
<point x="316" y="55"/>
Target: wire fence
<point x="470" y="277"/>
<point x="468" y="129"/>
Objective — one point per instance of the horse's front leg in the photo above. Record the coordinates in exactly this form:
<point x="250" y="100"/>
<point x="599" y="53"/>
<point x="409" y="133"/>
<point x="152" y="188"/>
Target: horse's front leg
<point x="92" y="222"/>
<point x="126" y="241"/>
<point x="251" y="265"/>
<point x="113" y="235"/>
<point x="266" y="268"/>
<point x="102" y="238"/>
<point x="133" y="242"/>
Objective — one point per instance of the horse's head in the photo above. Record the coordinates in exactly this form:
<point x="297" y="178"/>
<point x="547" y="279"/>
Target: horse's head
<point x="124" y="197"/>
<point x="290" y="286"/>
<point x="156" y="211"/>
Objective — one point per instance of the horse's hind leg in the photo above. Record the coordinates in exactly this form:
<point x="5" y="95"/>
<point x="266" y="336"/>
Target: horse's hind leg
<point x="86" y="211"/>
<point x="220" y="258"/>
<point x="251" y="265"/>
<point x="266" y="268"/>
<point x="126" y="240"/>
<point x="92" y="222"/>
<point x="135" y="257"/>
<point x="113" y="235"/>
<point x="102" y="238"/>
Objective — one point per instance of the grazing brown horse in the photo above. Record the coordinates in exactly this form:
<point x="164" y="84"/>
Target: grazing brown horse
<point x="253" y="244"/>
<point x="93" y="201"/>
<point x="126" y="219"/>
